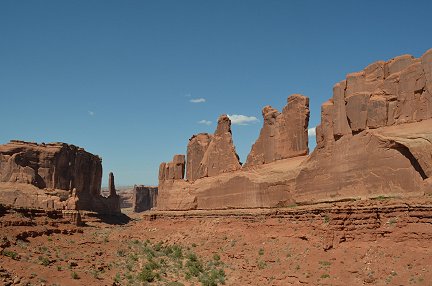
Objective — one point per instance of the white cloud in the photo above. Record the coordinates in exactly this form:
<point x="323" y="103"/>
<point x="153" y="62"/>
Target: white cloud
<point x="91" y="113"/>
<point x="206" y="122"/>
<point x="312" y="132"/>
<point x="197" y="100"/>
<point x="239" y="119"/>
<point x="188" y="95"/>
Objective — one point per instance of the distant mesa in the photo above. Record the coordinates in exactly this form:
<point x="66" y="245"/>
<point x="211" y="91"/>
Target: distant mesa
<point x="374" y="139"/>
<point x="144" y="198"/>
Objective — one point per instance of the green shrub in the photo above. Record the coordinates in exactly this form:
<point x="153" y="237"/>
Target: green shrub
<point x="75" y="275"/>
<point x="11" y="254"/>
<point x="44" y="260"/>
<point x="261" y="251"/>
<point x="146" y="275"/>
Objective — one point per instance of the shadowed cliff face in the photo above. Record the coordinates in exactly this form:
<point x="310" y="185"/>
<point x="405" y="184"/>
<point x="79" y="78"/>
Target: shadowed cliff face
<point x="374" y="138"/>
<point x="63" y="176"/>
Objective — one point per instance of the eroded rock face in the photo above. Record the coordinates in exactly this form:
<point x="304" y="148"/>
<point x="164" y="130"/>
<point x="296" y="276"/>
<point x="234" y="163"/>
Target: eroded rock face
<point x="111" y="184"/>
<point x="196" y="149"/>
<point x="66" y="175"/>
<point x="173" y="170"/>
<point x="220" y="156"/>
<point x="53" y="166"/>
<point x="283" y="135"/>
<point x="383" y="94"/>
<point x="374" y="139"/>
<point x="387" y="139"/>
<point x="144" y="198"/>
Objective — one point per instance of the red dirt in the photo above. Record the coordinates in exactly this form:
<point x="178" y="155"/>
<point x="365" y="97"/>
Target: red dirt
<point x="379" y="242"/>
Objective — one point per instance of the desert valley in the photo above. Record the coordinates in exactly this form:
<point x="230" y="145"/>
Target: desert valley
<point x="355" y="211"/>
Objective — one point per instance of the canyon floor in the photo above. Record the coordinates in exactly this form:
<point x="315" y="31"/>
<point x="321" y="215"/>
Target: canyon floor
<point x="384" y="241"/>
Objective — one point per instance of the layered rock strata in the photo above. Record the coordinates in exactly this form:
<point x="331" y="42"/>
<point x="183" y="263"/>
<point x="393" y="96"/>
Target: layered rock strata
<point x="375" y="133"/>
<point x="50" y="176"/>
<point x="374" y="139"/>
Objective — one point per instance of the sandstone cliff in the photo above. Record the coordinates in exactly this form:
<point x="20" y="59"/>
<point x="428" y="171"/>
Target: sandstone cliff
<point x="375" y="133"/>
<point x="374" y="139"/>
<point x="207" y="156"/>
<point x="144" y="198"/>
<point x="283" y="135"/>
<point x="54" y="175"/>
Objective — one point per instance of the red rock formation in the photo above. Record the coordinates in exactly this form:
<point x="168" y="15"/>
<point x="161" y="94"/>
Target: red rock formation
<point x="54" y="175"/>
<point x="196" y="149"/>
<point x="283" y="135"/>
<point x="53" y="166"/>
<point x="111" y="185"/>
<point x="377" y="151"/>
<point x="374" y="139"/>
<point x="207" y="155"/>
<point x="220" y="156"/>
<point x="173" y="170"/>
<point x="144" y="198"/>
<point x="112" y="202"/>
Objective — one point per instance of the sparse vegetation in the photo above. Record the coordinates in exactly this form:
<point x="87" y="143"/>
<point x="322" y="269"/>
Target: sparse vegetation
<point x="166" y="264"/>
<point x="11" y="254"/>
<point x="325" y="263"/>
<point x="74" y="275"/>
<point x="392" y="221"/>
<point x="44" y="260"/>
<point x="261" y="264"/>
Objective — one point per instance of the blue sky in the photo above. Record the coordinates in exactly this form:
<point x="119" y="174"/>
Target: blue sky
<point x="118" y="77"/>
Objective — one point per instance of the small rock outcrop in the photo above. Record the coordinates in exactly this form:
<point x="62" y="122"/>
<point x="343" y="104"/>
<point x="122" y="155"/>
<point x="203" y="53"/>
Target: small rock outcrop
<point x="144" y="198"/>
<point x="50" y="176"/>
<point x="283" y="135"/>
<point x="113" y="200"/>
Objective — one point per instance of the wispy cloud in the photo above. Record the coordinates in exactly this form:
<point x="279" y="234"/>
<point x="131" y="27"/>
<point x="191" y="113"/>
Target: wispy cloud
<point x="91" y="113"/>
<point x="188" y="95"/>
<point x="239" y="119"/>
<point x="312" y="132"/>
<point x="197" y="100"/>
<point x="205" y="122"/>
